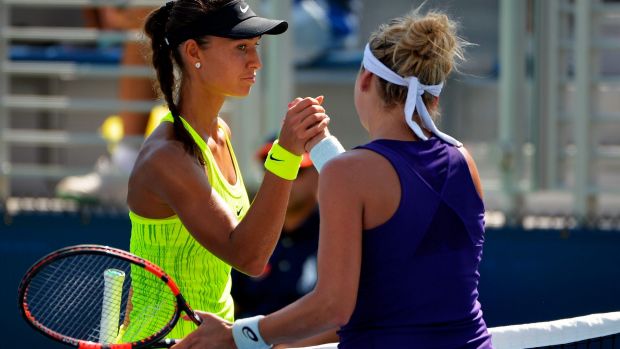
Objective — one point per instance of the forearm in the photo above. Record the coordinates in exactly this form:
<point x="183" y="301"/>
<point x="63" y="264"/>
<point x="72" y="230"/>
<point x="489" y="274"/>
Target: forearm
<point x="329" y="336"/>
<point x="255" y="237"/>
<point x="309" y="316"/>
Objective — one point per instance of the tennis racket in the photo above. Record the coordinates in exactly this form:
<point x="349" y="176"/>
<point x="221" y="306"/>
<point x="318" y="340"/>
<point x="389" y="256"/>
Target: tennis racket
<point x="100" y="297"/>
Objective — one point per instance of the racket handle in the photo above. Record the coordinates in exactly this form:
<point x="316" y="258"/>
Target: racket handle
<point x="111" y="304"/>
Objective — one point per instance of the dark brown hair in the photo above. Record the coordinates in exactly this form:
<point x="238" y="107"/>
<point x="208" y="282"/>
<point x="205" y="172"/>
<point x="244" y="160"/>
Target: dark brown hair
<point x="174" y="17"/>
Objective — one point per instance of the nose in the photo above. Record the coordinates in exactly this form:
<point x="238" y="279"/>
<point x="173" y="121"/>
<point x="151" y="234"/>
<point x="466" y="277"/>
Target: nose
<point x="254" y="60"/>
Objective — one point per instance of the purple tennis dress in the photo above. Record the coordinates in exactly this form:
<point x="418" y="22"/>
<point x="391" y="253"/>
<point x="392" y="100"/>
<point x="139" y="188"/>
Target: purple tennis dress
<point x="418" y="286"/>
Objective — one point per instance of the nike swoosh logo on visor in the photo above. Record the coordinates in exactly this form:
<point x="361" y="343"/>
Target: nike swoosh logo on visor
<point x="244" y="9"/>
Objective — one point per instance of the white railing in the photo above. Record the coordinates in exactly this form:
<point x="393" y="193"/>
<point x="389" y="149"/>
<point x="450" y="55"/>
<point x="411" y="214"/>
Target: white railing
<point x="13" y="103"/>
<point x="564" y="114"/>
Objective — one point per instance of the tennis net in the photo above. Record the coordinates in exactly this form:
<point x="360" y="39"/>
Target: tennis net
<point x="590" y="331"/>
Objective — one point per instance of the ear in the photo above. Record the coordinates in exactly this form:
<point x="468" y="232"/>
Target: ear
<point x="365" y="80"/>
<point x="190" y="52"/>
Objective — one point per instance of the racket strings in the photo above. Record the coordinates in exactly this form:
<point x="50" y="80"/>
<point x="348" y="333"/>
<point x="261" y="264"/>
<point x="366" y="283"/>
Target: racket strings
<point x="152" y="304"/>
<point x="64" y="289"/>
<point x="65" y="295"/>
<point x="77" y="286"/>
<point x="70" y="296"/>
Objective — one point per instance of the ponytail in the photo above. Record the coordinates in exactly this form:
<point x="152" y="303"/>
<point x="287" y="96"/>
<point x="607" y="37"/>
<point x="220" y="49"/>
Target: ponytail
<point x="162" y="60"/>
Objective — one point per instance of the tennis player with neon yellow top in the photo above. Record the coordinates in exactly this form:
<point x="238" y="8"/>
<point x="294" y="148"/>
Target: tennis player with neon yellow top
<point x="402" y="217"/>
<point x="186" y="194"/>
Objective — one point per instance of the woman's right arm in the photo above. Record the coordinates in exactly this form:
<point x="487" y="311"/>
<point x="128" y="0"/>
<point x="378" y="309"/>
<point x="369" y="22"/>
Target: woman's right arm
<point x="245" y="245"/>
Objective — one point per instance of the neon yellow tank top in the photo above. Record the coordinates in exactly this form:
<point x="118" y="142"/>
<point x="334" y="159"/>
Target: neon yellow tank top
<point x="203" y="278"/>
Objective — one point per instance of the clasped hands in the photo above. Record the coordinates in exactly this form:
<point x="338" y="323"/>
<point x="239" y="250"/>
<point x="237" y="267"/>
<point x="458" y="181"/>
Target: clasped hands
<point x="304" y="125"/>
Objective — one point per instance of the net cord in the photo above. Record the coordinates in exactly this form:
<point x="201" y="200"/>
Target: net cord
<point x="543" y="334"/>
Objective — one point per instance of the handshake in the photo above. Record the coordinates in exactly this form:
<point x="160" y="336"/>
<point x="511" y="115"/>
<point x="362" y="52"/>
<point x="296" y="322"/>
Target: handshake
<point x="304" y="128"/>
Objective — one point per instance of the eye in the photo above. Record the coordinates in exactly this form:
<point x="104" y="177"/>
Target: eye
<point x="242" y="47"/>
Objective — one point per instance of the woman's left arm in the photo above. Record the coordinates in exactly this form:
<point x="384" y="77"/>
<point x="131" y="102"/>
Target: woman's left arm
<point x="333" y="299"/>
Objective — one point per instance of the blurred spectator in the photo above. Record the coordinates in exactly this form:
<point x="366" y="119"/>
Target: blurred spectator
<point x="108" y="181"/>
<point x="335" y="23"/>
<point x="291" y="271"/>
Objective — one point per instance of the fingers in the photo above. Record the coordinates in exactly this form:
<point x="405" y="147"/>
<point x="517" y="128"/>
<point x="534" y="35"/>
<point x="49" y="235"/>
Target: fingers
<point x="302" y="127"/>
<point x="299" y="104"/>
<point x="317" y="138"/>
<point x="313" y="124"/>
<point x="304" y="119"/>
<point x="295" y="101"/>
<point x="201" y="315"/>
<point x="214" y="332"/>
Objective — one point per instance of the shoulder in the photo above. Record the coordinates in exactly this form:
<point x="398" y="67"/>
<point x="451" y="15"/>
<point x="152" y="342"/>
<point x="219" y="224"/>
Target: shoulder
<point x="349" y="163"/>
<point x="165" y="177"/>
<point x="162" y="156"/>
<point x="354" y="170"/>
<point x="467" y="156"/>
<point x="473" y="169"/>
<point x="158" y="152"/>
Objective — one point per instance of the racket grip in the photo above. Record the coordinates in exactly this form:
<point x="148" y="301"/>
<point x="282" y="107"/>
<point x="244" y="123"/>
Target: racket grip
<point x="110" y="308"/>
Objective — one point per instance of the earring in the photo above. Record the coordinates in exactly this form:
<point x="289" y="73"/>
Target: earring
<point x="197" y="65"/>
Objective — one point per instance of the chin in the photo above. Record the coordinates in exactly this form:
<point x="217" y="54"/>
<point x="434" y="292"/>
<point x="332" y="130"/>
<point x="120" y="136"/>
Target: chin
<point x="239" y="94"/>
<point x="245" y="91"/>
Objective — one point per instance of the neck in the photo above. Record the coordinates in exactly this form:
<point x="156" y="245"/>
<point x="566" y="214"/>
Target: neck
<point x="201" y="110"/>
<point x="389" y="124"/>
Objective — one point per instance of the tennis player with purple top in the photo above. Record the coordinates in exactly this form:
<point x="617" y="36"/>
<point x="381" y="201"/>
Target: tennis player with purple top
<point x="402" y="217"/>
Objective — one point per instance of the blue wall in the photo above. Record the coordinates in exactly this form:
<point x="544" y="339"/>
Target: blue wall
<point x="541" y="275"/>
<point x="526" y="276"/>
<point x="28" y="238"/>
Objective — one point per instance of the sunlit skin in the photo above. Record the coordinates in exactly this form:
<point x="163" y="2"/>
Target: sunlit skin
<point x="214" y="84"/>
<point x="168" y="181"/>
<point x="348" y="206"/>
<point x="241" y="59"/>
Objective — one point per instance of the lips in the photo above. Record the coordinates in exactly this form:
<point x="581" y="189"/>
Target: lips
<point x="249" y="78"/>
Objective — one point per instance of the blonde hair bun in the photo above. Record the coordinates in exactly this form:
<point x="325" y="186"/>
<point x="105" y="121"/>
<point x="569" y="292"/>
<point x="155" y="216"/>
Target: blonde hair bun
<point x="423" y="45"/>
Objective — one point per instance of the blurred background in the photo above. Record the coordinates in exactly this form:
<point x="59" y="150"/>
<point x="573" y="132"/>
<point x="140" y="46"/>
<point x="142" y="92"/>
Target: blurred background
<point x="537" y="103"/>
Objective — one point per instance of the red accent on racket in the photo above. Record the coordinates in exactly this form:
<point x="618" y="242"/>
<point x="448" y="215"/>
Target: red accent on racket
<point x="100" y="297"/>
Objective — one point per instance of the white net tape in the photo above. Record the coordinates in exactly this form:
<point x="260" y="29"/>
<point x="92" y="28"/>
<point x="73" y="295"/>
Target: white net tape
<point x="543" y="334"/>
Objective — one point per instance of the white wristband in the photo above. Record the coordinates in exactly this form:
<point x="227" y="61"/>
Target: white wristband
<point x="325" y="150"/>
<point x="246" y="334"/>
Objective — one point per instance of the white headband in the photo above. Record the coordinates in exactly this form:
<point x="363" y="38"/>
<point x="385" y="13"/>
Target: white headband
<point x="414" y="97"/>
